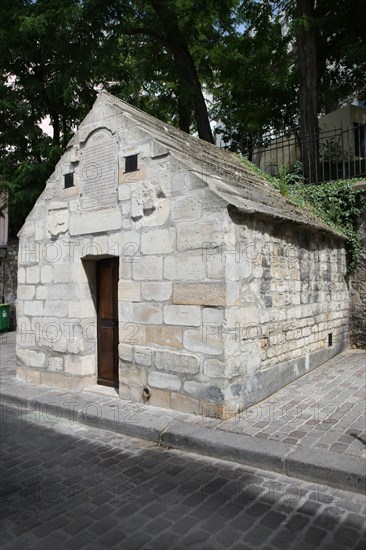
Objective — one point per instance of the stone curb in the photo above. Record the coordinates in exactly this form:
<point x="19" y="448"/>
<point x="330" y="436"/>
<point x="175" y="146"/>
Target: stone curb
<point x="326" y="468"/>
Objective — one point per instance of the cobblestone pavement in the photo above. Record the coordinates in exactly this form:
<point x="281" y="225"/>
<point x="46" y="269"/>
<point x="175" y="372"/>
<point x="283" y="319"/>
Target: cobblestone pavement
<point x="325" y="409"/>
<point x="69" y="486"/>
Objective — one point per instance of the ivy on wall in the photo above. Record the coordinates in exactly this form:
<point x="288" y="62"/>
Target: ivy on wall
<point x="337" y="203"/>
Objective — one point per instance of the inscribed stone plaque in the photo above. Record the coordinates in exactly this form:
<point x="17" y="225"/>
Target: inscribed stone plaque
<point x="99" y="169"/>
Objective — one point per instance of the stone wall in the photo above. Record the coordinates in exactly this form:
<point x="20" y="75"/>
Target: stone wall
<point x="8" y="278"/>
<point x="358" y="293"/>
<point x="289" y="308"/>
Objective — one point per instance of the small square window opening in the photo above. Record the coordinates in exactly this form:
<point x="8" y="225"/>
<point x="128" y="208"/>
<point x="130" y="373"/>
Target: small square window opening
<point x="69" y="180"/>
<point x="131" y="163"/>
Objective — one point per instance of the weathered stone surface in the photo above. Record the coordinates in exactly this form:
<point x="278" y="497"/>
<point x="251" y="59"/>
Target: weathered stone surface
<point x="157" y="292"/>
<point x="176" y="362"/>
<point x="192" y="236"/>
<point x="31" y="358"/>
<point x="26" y="292"/>
<point x="187" y="208"/>
<point x="125" y="352"/>
<point x="142" y="355"/>
<point x="184" y="266"/>
<point x="141" y="313"/>
<point x="55" y="308"/>
<point x="209" y="392"/>
<point x="32" y="274"/>
<point x="186" y="404"/>
<point x="57" y="221"/>
<point x="164" y="381"/>
<point x="164" y="336"/>
<point x="200" y="341"/>
<point x="182" y="315"/>
<point x="129" y="291"/>
<point x="148" y="268"/>
<point x="213" y="368"/>
<point x="56" y="364"/>
<point x="209" y="294"/>
<point x="160" y="398"/>
<point x="95" y="222"/>
<point x="79" y="365"/>
<point x="161" y="241"/>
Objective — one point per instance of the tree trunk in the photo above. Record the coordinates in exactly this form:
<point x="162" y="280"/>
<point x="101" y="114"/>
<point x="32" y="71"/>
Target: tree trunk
<point x="307" y="58"/>
<point x="184" y="113"/>
<point x="185" y="67"/>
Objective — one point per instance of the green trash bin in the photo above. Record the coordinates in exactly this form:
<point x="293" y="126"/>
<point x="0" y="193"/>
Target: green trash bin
<point x="4" y="317"/>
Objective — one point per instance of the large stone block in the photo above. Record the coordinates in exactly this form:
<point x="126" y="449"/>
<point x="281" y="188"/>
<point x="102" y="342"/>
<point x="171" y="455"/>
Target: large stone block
<point x="192" y="236"/>
<point x="210" y="294"/>
<point x="157" y="292"/>
<point x="160" y="335"/>
<point x="213" y="368"/>
<point x="203" y="342"/>
<point x="32" y="275"/>
<point x="80" y="365"/>
<point x="132" y="334"/>
<point x="129" y="291"/>
<point x="180" y="363"/>
<point x="160" y="398"/>
<point x="142" y="355"/>
<point x="55" y="308"/>
<point x="207" y="392"/>
<point x="185" y="266"/>
<point x="140" y="313"/>
<point x="125" y="352"/>
<point x="58" y="220"/>
<point x="98" y="221"/>
<point x="26" y="292"/>
<point x="31" y="358"/>
<point x="56" y="364"/>
<point x="148" y="268"/>
<point x="34" y="307"/>
<point x="182" y="315"/>
<point x="61" y="291"/>
<point x="164" y="381"/>
<point x="83" y="309"/>
<point x="186" y="404"/>
<point x="160" y="241"/>
<point x="187" y="208"/>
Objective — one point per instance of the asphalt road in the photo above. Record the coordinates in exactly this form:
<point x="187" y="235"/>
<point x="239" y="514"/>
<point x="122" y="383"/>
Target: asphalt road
<point x="67" y="486"/>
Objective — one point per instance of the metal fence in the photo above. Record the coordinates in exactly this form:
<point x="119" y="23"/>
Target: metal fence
<point x="328" y="155"/>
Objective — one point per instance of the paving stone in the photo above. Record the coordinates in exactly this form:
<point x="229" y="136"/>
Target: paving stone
<point x="234" y="506"/>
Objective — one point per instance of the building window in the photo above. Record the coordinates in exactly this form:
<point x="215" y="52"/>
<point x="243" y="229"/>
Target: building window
<point x="69" y="180"/>
<point x="131" y="163"/>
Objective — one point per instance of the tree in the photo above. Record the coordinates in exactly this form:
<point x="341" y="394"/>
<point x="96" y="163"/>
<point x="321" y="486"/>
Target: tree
<point x="307" y="47"/>
<point x="253" y="84"/>
<point x="52" y="57"/>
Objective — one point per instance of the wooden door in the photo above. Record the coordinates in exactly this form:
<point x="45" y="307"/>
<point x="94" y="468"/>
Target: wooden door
<point x="107" y="321"/>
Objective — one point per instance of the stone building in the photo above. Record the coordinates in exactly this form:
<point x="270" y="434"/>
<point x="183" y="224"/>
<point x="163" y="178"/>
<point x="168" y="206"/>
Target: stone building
<point x="160" y="265"/>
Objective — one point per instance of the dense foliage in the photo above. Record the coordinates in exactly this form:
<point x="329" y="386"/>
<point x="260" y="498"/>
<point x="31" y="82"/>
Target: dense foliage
<point x="337" y="203"/>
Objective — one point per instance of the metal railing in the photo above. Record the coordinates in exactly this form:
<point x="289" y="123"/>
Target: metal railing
<point x="328" y="155"/>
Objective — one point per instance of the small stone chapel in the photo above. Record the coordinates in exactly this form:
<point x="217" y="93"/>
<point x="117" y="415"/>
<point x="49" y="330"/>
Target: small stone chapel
<point x="162" y="266"/>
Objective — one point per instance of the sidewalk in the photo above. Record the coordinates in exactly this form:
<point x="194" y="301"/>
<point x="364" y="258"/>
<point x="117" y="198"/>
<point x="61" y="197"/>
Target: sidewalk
<point x="313" y="429"/>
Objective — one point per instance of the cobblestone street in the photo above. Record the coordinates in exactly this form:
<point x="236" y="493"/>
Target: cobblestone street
<point x="324" y="409"/>
<point x="69" y="486"/>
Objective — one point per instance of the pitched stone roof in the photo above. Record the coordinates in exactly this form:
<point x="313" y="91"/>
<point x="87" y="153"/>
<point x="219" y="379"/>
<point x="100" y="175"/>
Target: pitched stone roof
<point x="225" y="174"/>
